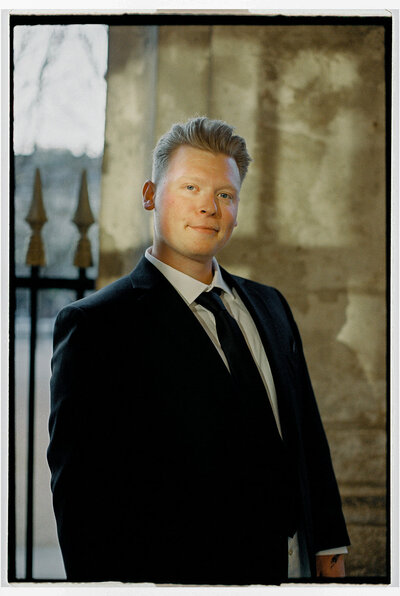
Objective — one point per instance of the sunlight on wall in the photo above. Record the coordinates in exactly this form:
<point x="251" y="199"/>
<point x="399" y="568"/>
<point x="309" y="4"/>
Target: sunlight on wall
<point x="317" y="147"/>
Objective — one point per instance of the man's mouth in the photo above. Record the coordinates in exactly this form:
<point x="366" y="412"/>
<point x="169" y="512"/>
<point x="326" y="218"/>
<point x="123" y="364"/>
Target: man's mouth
<point x="205" y="229"/>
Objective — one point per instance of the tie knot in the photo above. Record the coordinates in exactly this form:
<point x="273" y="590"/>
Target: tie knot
<point x="211" y="300"/>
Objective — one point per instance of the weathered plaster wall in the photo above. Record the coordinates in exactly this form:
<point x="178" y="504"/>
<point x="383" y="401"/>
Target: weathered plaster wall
<point x="131" y="92"/>
<point x="310" y="102"/>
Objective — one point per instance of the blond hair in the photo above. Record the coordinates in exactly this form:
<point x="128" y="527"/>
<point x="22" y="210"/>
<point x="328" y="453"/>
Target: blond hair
<point x="215" y="136"/>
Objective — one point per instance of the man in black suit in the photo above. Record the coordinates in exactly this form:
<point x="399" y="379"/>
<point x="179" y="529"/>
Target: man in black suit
<point x="185" y="441"/>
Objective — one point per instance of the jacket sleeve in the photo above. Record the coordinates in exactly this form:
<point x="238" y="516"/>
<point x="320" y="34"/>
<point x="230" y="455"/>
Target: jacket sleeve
<point x="324" y="516"/>
<point x="75" y="454"/>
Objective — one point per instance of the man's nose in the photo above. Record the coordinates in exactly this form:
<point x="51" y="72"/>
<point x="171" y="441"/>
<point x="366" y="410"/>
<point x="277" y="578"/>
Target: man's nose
<point x="208" y="204"/>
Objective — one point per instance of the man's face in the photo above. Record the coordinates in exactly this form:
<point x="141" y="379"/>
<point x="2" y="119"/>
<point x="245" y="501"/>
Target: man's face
<point x="195" y="206"/>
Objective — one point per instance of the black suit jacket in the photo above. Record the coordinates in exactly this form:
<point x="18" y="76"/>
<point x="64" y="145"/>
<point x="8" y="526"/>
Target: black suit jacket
<point x="157" y="473"/>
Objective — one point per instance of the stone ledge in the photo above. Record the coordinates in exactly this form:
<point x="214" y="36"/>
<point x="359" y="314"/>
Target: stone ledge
<point x="366" y="510"/>
<point x="362" y="490"/>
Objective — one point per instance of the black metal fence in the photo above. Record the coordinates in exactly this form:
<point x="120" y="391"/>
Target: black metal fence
<point x="35" y="283"/>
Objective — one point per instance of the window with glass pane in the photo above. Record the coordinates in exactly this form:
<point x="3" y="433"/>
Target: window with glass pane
<point x="59" y="117"/>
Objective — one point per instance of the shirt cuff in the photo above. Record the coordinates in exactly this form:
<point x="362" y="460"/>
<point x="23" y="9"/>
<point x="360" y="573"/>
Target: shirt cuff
<point x="340" y="550"/>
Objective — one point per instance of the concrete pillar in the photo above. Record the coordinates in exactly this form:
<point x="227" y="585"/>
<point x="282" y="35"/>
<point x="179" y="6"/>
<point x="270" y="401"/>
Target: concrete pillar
<point x="183" y="74"/>
<point x="130" y="121"/>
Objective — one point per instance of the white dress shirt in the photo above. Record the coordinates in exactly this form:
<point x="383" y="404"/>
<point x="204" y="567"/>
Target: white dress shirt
<point x="190" y="289"/>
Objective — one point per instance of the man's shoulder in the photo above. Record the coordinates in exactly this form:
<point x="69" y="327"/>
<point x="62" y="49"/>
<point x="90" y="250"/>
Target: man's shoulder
<point x="255" y="285"/>
<point x="249" y="285"/>
<point x="262" y="294"/>
<point x="117" y="296"/>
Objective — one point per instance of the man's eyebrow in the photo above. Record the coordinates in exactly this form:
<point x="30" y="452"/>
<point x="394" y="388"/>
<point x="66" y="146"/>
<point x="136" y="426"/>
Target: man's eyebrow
<point x="228" y="187"/>
<point x="188" y="177"/>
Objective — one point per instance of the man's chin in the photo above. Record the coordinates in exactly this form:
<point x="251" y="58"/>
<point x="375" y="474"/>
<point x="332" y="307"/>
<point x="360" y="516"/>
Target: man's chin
<point x="205" y="251"/>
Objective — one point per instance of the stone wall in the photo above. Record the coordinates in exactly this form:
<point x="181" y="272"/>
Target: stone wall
<point x="130" y="113"/>
<point x="310" y="101"/>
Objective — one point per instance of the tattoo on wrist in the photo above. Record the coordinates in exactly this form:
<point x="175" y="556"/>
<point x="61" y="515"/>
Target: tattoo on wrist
<point x="334" y="560"/>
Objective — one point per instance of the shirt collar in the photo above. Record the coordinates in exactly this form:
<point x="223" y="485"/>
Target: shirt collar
<point x="188" y="287"/>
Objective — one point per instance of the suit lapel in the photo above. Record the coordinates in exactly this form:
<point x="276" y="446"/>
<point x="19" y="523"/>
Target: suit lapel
<point x="175" y="324"/>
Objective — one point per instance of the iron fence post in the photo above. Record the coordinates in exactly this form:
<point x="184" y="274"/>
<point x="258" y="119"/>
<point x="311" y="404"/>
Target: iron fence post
<point x="31" y="423"/>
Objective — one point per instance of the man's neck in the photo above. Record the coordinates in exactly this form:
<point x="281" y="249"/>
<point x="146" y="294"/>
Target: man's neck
<point x="200" y="270"/>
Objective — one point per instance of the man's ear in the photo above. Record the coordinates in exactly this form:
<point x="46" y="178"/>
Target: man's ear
<point x="148" y="193"/>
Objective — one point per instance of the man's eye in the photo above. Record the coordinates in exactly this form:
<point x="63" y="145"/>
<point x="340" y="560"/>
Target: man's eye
<point x="225" y="195"/>
<point x="190" y="186"/>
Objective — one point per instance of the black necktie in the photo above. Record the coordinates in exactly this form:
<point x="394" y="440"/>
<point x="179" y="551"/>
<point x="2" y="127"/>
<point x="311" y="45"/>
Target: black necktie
<point x="250" y="386"/>
<point x="241" y="363"/>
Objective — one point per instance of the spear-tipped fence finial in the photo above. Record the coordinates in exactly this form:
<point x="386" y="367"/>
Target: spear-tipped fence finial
<point x="36" y="218"/>
<point x="83" y="219"/>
